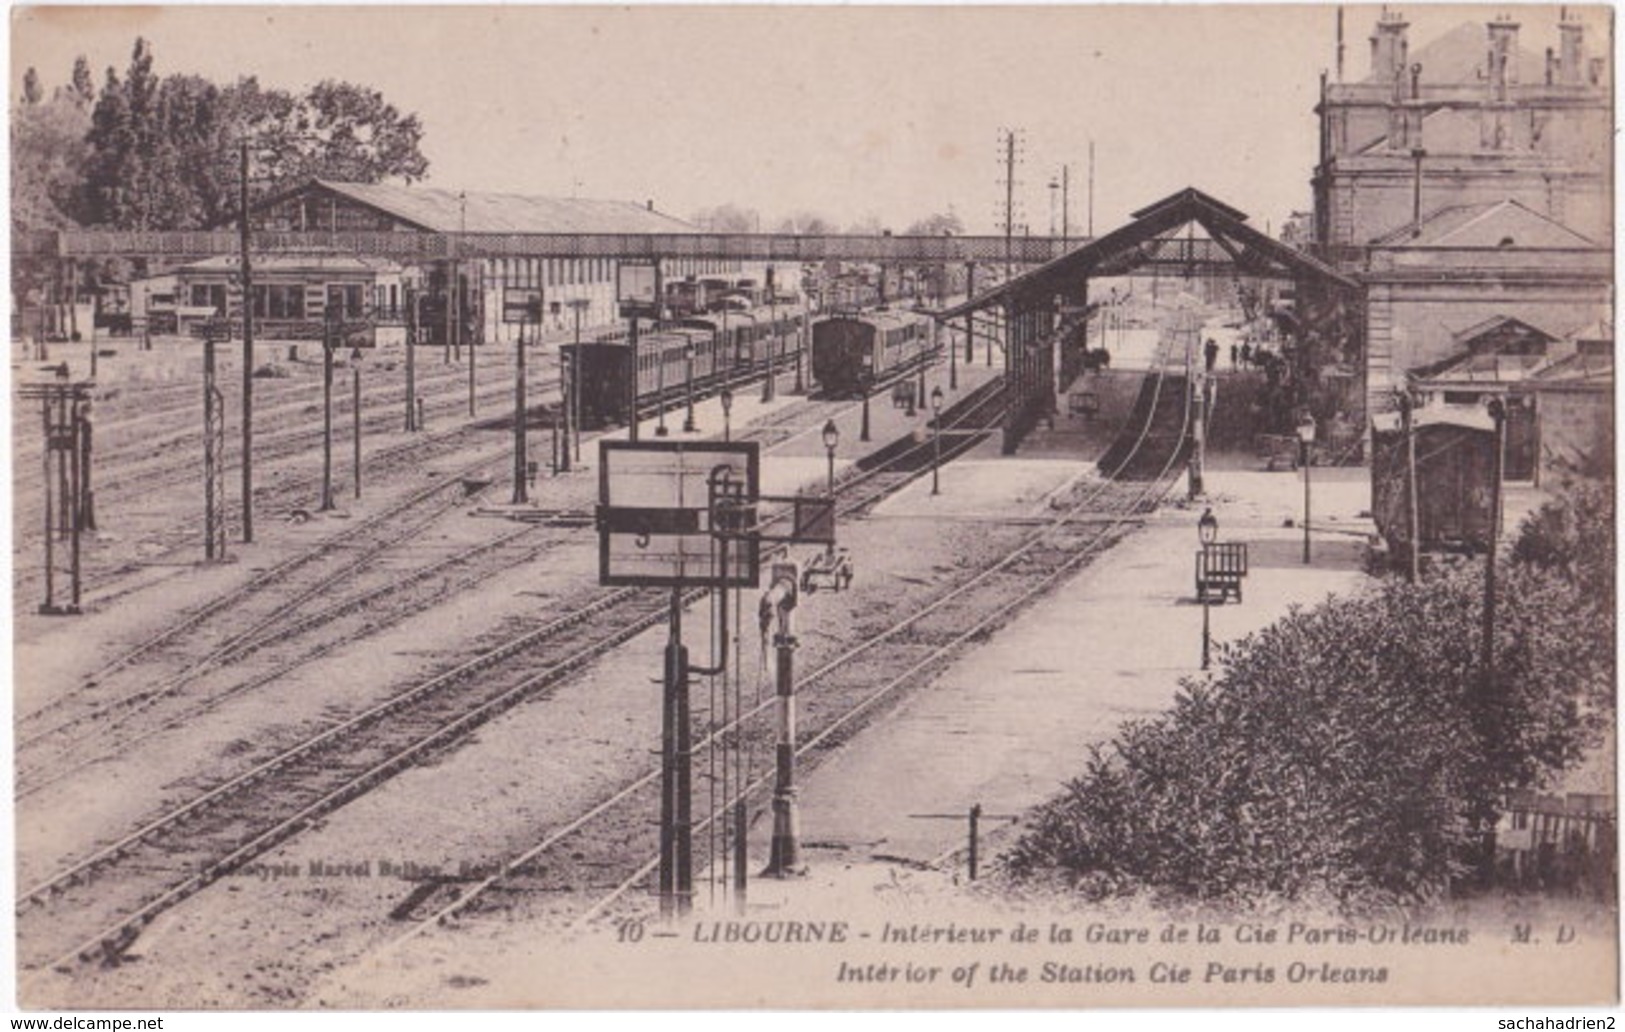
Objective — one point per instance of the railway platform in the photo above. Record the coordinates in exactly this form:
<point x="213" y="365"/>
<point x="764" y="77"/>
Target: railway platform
<point x="1011" y="720"/>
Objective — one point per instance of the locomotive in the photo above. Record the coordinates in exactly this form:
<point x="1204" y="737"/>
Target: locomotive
<point x="851" y="353"/>
<point x="710" y="351"/>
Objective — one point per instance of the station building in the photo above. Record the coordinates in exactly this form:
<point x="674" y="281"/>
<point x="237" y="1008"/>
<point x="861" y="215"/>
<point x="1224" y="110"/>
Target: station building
<point x="1467" y="184"/>
<point x="329" y="206"/>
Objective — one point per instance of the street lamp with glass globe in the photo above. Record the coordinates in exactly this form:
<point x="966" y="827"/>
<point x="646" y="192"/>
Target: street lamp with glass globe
<point x="1306" y="439"/>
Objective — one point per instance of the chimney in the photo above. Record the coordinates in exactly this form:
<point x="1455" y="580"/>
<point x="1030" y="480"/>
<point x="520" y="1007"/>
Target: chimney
<point x="650" y="204"/>
<point x="1503" y="56"/>
<point x="1388" y="48"/>
<point x="1571" y="61"/>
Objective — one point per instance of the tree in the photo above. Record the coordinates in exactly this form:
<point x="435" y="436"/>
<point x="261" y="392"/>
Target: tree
<point x="937" y="225"/>
<point x="33" y="93"/>
<point x="728" y="218"/>
<point x="163" y="153"/>
<point x="83" y="85"/>
<point x="807" y="223"/>
<point x="104" y="197"/>
<point x="1353" y="751"/>
<point x="869" y="225"/>
<point x="48" y="155"/>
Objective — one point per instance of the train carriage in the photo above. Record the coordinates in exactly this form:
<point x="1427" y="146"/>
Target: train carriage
<point x="665" y="360"/>
<point x="1455" y="475"/>
<point x="732" y="336"/>
<point x="851" y="353"/>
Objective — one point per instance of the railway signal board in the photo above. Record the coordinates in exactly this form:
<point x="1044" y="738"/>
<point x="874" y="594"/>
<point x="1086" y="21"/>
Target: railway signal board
<point x="677" y="513"/>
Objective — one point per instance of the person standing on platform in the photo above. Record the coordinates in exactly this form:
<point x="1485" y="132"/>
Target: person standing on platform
<point x="1211" y="351"/>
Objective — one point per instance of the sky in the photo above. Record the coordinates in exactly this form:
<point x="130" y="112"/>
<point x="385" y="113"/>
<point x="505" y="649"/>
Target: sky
<point x="890" y="112"/>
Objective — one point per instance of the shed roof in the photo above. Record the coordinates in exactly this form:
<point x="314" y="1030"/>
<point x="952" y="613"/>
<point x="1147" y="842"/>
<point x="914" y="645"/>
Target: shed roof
<point x="294" y="263"/>
<point x="448" y="211"/>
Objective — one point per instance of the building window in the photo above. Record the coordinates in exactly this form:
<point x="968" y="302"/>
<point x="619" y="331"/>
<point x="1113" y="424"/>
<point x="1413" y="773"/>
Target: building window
<point x="209" y="295"/>
<point x="346" y="300"/>
<point x="279" y="301"/>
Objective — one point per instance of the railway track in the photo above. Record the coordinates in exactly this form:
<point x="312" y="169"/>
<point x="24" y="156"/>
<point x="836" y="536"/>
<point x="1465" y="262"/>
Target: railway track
<point x="174" y="463"/>
<point x="226" y="825"/>
<point x="269" y="656"/>
<point x="61" y="919"/>
<point x="81" y="914"/>
<point x="178" y="541"/>
<point x="148" y="447"/>
<point x="909" y="650"/>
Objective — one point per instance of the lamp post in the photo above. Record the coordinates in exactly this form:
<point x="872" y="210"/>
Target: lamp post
<point x="769" y="385"/>
<point x="727" y="399"/>
<point x="1306" y="438"/>
<point x="863" y="428"/>
<point x="925" y="356"/>
<point x="936" y="438"/>
<point x="574" y="403"/>
<point x="689" y="426"/>
<point x="660" y="387"/>
<point x="1207" y="529"/>
<point x="832" y="437"/>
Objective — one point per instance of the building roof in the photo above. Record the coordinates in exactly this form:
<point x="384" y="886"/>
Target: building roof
<point x="1507" y="223"/>
<point x="1131" y="245"/>
<point x="448" y="211"/>
<point x="1470" y="336"/>
<point x="1577" y="369"/>
<point x="1597" y="329"/>
<point x="294" y="263"/>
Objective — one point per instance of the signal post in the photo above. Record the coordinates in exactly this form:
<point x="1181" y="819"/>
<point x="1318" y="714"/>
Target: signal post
<point x="687" y="515"/>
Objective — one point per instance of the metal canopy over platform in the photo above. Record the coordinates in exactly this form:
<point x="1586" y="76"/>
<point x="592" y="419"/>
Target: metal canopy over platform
<point x="1232" y="246"/>
<point x="1028" y="304"/>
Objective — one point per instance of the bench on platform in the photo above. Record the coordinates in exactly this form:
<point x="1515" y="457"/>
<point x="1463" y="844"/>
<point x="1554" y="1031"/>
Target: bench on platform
<point x="1220" y="569"/>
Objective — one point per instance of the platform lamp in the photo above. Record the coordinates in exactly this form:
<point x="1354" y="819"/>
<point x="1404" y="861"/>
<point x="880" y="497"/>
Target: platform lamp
<point x="1306" y="438"/>
<point x="1207" y="529"/>
<point x="726" y="396"/>
<point x="832" y="437"/>
<point x="936" y="438"/>
<point x="689" y="426"/>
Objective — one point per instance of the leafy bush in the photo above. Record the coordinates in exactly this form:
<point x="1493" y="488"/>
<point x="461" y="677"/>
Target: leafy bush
<point x="1354" y="750"/>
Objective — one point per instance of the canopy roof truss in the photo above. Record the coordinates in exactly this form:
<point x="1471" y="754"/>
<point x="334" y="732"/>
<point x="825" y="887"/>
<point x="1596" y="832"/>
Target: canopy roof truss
<point x="1150" y="240"/>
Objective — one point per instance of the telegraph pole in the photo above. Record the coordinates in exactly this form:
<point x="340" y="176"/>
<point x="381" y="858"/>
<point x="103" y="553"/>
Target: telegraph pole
<point x="519" y="457"/>
<point x="970" y="317"/>
<point x="214" y="526"/>
<point x="355" y="413"/>
<point x="1091" y="189"/>
<point x="1066" y="187"/>
<point x="248" y="351"/>
<point x="330" y="332"/>
<point x="411" y="359"/>
<point x="1009" y="200"/>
